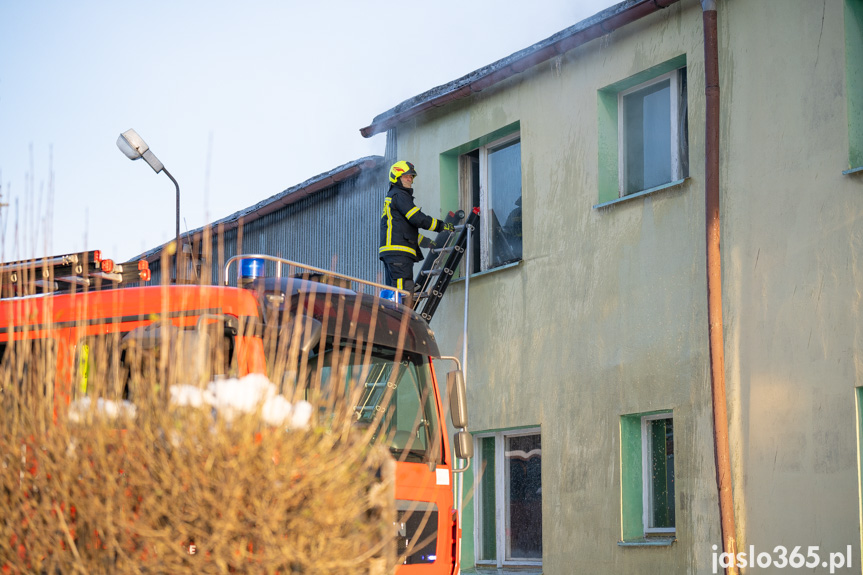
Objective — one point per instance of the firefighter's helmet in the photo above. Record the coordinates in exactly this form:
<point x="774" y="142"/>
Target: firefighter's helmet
<point x="400" y="169"/>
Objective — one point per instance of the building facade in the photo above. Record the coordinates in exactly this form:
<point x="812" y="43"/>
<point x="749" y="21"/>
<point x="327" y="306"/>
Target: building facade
<point x="589" y="360"/>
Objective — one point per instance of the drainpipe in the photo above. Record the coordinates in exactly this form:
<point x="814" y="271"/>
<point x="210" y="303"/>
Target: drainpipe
<point x="721" y="450"/>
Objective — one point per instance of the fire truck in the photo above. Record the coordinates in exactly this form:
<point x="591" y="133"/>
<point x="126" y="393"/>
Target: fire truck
<point x="70" y="307"/>
<point x="325" y="316"/>
<point x="291" y="325"/>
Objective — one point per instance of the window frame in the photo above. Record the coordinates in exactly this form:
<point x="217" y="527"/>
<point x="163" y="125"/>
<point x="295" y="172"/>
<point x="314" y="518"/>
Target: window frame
<point x="608" y="134"/>
<point x="633" y="469"/>
<point x="485" y="193"/>
<point x="647" y="477"/>
<point x="674" y="127"/>
<point x="501" y="482"/>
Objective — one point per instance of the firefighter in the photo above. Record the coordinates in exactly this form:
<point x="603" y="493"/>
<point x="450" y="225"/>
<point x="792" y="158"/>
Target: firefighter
<point x="400" y="224"/>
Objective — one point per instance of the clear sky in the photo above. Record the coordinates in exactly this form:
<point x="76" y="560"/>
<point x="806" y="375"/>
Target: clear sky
<point x="240" y="101"/>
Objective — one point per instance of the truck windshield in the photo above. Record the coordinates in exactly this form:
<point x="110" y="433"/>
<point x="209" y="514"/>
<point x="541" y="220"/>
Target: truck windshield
<point x="396" y="398"/>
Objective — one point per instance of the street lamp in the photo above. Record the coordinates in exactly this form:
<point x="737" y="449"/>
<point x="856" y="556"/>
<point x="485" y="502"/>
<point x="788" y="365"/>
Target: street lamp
<point x="135" y="148"/>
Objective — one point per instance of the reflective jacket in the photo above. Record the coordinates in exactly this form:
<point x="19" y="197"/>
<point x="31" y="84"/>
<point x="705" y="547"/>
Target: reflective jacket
<point x="400" y="224"/>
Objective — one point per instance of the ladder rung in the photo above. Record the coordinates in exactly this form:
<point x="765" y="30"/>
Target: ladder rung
<point x="108" y="276"/>
<point x="433" y="272"/>
<point x="443" y="250"/>
<point x="77" y="280"/>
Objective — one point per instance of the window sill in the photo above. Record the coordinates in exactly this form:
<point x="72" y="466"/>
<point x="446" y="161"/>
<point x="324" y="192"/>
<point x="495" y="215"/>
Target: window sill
<point x="486" y="272"/>
<point x="858" y="170"/>
<point x="648" y="542"/>
<point x="641" y="194"/>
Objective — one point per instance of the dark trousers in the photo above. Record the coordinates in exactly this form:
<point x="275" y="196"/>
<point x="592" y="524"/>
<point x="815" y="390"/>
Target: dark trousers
<point x="399" y="271"/>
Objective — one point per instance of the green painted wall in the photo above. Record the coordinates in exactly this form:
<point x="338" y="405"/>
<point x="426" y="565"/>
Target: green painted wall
<point x="606" y="315"/>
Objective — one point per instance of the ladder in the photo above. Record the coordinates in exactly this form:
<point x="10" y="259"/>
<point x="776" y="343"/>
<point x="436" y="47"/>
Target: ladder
<point x="64" y="272"/>
<point x="442" y="261"/>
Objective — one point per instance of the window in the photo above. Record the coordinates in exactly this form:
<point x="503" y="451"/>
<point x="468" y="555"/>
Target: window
<point x="509" y="498"/>
<point x="652" y="140"/>
<point x="647" y="475"/>
<point x="491" y="179"/>
<point x="643" y="131"/>
<point x="854" y="82"/>
<point x="396" y="397"/>
<point x="657" y="438"/>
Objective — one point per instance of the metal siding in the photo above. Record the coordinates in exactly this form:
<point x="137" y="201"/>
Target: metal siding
<point x="335" y="229"/>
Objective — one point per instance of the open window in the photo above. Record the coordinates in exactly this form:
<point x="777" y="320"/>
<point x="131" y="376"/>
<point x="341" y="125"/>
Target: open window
<point x="490" y="177"/>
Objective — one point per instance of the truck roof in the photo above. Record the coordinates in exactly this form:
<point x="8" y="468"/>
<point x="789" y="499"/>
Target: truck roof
<point x="356" y="316"/>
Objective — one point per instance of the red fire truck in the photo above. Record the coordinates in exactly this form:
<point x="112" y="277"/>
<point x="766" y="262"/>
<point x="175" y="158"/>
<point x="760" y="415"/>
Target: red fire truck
<point x="74" y="303"/>
<point x="392" y="348"/>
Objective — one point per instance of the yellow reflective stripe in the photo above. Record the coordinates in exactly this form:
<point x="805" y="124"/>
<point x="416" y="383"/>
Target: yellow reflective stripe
<point x="412" y="212"/>
<point x="434" y="225"/>
<point x="84" y="366"/>
<point x="388" y="248"/>
<point x="389" y="220"/>
<point x="400" y="283"/>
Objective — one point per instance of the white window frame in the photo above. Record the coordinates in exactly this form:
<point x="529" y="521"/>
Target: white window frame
<point x="675" y="133"/>
<point x="647" y="476"/>
<point x="501" y="519"/>
<point x="484" y="193"/>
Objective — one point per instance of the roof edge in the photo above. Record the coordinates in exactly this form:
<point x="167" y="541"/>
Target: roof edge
<point x="596" y="26"/>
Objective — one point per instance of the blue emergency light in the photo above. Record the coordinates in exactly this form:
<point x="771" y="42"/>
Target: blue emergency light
<point x="391" y="295"/>
<point x="251" y="269"/>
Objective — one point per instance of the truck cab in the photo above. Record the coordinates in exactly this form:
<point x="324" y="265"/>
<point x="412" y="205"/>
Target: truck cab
<point x="332" y="341"/>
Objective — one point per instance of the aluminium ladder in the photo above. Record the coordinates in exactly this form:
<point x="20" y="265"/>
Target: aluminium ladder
<point x="62" y="272"/>
<point x="441" y="263"/>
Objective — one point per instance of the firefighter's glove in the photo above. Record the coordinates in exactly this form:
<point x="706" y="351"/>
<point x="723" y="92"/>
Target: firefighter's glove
<point x="448" y="227"/>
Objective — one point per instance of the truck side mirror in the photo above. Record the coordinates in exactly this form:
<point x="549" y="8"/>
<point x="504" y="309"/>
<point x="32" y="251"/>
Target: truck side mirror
<point x="463" y="444"/>
<point x="457" y="398"/>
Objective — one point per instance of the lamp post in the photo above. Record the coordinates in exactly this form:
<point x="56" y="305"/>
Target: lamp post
<point x="135" y="148"/>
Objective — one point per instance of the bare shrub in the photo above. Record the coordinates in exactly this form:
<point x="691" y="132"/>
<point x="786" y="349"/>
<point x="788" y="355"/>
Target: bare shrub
<point x="147" y="486"/>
